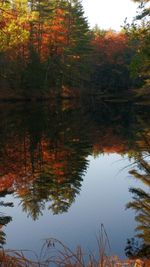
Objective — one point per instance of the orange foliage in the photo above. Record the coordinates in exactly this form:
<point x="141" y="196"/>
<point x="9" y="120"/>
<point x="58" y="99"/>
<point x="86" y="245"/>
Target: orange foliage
<point x="6" y="182"/>
<point x="109" y="46"/>
<point x="109" y="143"/>
<point x="54" y="35"/>
<point x="21" y="166"/>
<point x="48" y="37"/>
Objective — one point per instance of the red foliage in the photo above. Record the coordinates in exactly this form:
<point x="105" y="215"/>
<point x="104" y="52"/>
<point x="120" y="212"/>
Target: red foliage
<point x="110" y="47"/>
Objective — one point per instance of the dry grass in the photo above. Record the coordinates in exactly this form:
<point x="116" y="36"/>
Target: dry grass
<point x="55" y="253"/>
<point x="65" y="258"/>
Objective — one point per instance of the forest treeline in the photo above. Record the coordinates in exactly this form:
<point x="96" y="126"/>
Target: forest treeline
<point x="47" y="46"/>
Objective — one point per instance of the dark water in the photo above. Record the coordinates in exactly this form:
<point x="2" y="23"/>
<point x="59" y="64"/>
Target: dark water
<point x="67" y="167"/>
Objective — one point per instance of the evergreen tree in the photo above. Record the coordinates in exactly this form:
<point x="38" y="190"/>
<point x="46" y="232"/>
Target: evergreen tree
<point x="139" y="32"/>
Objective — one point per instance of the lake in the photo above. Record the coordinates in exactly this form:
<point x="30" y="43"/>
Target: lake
<point x="69" y="167"/>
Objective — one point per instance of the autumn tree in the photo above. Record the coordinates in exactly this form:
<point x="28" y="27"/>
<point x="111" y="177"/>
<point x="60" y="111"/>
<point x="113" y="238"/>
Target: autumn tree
<point x="45" y="43"/>
<point x="68" y="43"/>
<point x="14" y="35"/>
<point x="111" y="59"/>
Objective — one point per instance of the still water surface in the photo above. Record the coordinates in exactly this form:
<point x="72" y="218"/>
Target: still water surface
<point x="65" y="171"/>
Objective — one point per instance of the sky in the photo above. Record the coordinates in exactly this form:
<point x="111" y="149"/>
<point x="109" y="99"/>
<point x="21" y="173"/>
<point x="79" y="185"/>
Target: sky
<point x="109" y="13"/>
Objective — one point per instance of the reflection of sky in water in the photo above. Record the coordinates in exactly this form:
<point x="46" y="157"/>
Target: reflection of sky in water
<point x="102" y="199"/>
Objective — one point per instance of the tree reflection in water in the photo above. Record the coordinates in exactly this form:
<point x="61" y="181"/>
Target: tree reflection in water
<point x="141" y="203"/>
<point x="4" y="220"/>
<point x="44" y="149"/>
